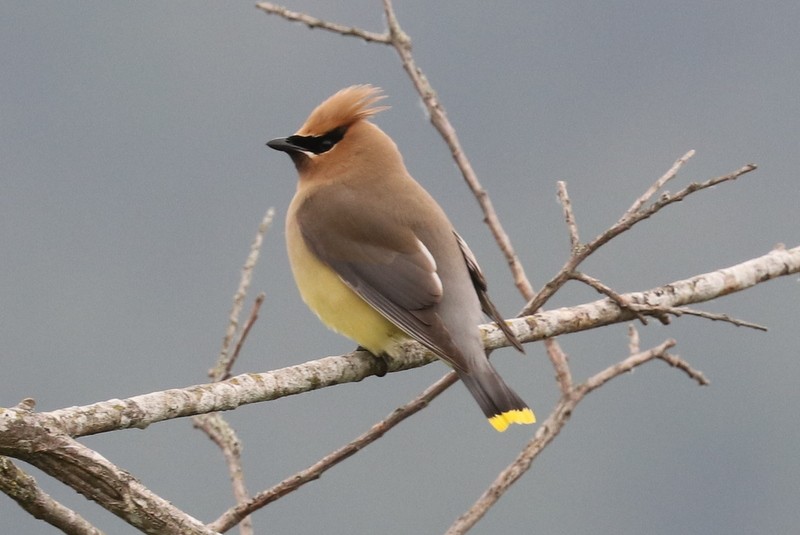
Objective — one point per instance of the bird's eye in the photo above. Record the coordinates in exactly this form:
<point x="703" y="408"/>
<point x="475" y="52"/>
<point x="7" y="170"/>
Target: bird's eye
<point x="327" y="141"/>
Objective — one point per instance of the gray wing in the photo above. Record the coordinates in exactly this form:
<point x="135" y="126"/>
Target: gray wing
<point x="479" y="281"/>
<point x="384" y="263"/>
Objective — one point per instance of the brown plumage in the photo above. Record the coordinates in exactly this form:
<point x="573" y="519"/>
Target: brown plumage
<point x="376" y="257"/>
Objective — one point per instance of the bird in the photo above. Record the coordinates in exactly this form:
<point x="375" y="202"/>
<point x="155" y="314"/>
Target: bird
<point x="376" y="257"/>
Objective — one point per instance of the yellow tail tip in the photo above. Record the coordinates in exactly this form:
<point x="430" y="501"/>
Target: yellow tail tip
<point x="516" y="416"/>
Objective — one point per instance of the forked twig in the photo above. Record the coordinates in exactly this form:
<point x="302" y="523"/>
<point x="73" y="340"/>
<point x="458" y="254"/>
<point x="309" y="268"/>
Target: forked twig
<point x="251" y="319"/>
<point x="627" y="221"/>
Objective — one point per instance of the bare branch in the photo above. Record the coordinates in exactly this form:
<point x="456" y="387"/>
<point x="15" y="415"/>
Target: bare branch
<point x="243" y="335"/>
<point x="314" y="22"/>
<point x="697" y="289"/>
<point x="560" y="362"/>
<point x="226" y="439"/>
<point x="569" y="216"/>
<point x="313" y="472"/>
<point x="622" y="367"/>
<point x="667" y="198"/>
<point x="143" y="410"/>
<point x="677" y="362"/>
<point x="22" y="488"/>
<point x="662" y="312"/>
<point x="633" y="339"/>
<point x="92" y="475"/>
<point x="657" y="185"/>
<point x="678" y="311"/>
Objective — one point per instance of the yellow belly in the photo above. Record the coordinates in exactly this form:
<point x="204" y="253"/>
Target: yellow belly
<point x="339" y="307"/>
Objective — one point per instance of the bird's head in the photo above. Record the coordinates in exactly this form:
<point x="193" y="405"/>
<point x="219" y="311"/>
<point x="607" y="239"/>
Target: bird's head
<point x="330" y="126"/>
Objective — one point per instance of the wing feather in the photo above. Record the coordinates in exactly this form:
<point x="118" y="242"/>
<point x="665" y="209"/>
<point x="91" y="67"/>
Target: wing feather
<point x="479" y="281"/>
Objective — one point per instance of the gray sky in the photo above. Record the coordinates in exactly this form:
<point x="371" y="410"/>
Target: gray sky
<point x="134" y="175"/>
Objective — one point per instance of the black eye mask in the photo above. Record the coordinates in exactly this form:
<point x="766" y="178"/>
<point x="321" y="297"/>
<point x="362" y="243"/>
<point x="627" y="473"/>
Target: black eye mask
<point x="318" y="144"/>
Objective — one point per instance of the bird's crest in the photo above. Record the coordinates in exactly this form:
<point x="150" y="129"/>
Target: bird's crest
<point x="343" y="109"/>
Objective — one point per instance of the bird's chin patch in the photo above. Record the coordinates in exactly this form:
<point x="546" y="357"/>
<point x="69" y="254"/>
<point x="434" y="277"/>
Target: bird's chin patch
<point x="301" y="158"/>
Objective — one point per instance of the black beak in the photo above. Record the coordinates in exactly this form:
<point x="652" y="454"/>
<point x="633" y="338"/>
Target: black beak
<point x="282" y="144"/>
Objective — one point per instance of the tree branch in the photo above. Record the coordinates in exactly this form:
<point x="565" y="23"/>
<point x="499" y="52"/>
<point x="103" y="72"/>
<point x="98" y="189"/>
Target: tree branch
<point x="23" y="489"/>
<point x="99" y="480"/>
<point x="700" y="288"/>
<point x="141" y="411"/>
<point x="314" y="22"/>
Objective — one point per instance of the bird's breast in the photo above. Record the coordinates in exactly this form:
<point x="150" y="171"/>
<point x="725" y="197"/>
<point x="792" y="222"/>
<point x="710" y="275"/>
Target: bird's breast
<point x="337" y="306"/>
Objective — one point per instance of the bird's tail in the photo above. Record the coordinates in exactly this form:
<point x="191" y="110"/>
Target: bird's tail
<point x="501" y="405"/>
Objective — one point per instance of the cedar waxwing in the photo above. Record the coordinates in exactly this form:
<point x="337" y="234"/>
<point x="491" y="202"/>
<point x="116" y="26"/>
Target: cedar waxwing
<point x="376" y="258"/>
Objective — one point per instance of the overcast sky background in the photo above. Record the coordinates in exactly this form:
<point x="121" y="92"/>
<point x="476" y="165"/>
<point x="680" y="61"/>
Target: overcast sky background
<point x="134" y="175"/>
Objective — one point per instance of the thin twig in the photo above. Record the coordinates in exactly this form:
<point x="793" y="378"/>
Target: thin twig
<point x="313" y="22"/>
<point x="560" y="361"/>
<point x="243" y="335"/>
<point x="224" y="436"/>
<point x="667" y="198"/>
<point x="633" y="339"/>
<point x="232" y="516"/>
<point x="677" y="362"/>
<point x="713" y="317"/>
<point x="662" y="311"/>
<point x="658" y="184"/>
<point x="620" y="300"/>
<point x="569" y="216"/>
